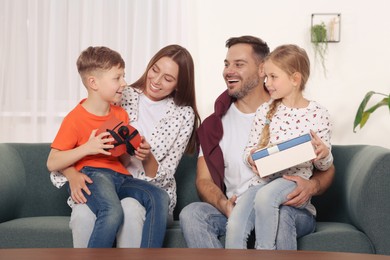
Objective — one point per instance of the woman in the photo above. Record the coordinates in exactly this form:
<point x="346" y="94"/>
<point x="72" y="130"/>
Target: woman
<point x="161" y="105"/>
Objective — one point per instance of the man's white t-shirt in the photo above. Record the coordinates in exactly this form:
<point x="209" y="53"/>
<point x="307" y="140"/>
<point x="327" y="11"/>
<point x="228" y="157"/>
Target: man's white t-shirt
<point x="236" y="128"/>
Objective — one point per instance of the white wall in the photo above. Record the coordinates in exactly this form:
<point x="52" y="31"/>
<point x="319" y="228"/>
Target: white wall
<point x="358" y="63"/>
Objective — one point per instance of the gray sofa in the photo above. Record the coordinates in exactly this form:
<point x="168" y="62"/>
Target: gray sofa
<point x="353" y="215"/>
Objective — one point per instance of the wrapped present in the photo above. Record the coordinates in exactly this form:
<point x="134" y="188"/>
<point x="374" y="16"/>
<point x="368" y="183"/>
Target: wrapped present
<point x="127" y="138"/>
<point x="284" y="155"/>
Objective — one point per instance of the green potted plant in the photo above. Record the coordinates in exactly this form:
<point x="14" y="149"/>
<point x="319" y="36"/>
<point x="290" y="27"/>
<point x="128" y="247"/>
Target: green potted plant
<point x="320" y="42"/>
<point x="363" y="114"/>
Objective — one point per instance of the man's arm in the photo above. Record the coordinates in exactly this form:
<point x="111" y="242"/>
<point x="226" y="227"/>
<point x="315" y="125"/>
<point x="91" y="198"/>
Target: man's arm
<point x="209" y="192"/>
<point x="317" y="185"/>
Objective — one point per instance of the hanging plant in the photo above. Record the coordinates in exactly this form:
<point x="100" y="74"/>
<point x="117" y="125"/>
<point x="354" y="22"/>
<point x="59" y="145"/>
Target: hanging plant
<point x="363" y="114"/>
<point x="320" y="42"/>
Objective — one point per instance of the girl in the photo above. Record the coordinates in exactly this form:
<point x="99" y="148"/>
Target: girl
<point x="286" y="116"/>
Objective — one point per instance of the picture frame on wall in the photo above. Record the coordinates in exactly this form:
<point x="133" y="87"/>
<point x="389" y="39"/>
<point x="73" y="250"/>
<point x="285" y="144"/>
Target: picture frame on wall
<point x="329" y="23"/>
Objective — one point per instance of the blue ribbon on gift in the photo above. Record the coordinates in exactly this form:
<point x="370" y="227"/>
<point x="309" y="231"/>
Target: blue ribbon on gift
<point x="281" y="146"/>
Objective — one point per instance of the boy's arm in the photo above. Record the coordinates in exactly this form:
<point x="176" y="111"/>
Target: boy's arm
<point x="59" y="160"/>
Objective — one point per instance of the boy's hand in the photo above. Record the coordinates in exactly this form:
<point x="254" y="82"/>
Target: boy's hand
<point x="321" y="149"/>
<point x="99" y="144"/>
<point x="143" y="151"/>
<point x="77" y="183"/>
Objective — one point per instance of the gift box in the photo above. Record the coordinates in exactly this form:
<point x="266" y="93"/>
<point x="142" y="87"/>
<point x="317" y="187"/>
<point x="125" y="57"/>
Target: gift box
<point x="127" y="138"/>
<point x="284" y="155"/>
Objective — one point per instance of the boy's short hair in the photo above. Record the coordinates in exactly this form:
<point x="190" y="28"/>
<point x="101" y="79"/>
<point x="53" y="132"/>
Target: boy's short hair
<point x="98" y="58"/>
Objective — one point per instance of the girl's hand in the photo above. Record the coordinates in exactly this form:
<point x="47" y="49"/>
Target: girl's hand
<point x="321" y="149"/>
<point x="143" y="151"/>
<point x="252" y="163"/>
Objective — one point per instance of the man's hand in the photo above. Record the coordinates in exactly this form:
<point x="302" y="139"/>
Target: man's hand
<point x="229" y="205"/>
<point x="77" y="183"/>
<point x="303" y="192"/>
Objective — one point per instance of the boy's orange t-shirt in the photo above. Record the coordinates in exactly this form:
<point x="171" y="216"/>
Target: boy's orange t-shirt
<point x="76" y="129"/>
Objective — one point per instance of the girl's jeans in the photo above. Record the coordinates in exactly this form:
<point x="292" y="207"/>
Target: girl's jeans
<point x="204" y="226"/>
<point x="258" y="208"/>
<point x="107" y="190"/>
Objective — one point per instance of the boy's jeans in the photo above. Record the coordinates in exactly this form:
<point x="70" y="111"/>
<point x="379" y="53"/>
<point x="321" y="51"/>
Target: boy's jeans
<point x="107" y="189"/>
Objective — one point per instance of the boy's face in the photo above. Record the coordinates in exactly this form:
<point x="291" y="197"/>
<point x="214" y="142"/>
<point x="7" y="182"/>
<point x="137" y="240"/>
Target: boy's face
<point x="110" y="84"/>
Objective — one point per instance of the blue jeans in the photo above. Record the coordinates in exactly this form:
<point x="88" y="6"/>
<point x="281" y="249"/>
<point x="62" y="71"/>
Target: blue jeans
<point x="258" y="208"/>
<point x="202" y="226"/>
<point x="107" y="189"/>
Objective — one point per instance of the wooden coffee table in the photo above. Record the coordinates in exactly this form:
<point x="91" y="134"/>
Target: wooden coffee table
<point x="176" y="253"/>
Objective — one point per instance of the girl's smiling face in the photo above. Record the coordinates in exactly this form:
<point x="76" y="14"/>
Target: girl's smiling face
<point x="161" y="79"/>
<point x="279" y="84"/>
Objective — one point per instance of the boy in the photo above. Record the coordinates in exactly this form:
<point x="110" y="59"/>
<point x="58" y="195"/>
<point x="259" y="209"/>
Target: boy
<point x="78" y="144"/>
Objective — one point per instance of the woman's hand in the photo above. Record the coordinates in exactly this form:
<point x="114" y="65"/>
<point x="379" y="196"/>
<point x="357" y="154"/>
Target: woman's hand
<point x="143" y="151"/>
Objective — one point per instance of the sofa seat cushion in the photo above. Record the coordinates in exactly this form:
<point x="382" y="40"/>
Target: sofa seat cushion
<point x="40" y="232"/>
<point x="338" y="237"/>
<point x="173" y="236"/>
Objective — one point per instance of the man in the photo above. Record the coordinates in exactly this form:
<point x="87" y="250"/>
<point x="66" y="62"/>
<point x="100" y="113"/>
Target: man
<point x="222" y="175"/>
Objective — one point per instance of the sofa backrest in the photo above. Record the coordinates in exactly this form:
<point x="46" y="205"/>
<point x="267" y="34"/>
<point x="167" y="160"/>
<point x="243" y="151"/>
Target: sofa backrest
<point x="25" y="186"/>
<point x="185" y="183"/>
<point x="26" y="189"/>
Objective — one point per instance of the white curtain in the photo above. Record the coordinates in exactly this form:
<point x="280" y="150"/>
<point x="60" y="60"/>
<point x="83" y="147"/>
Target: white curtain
<point x="40" y="41"/>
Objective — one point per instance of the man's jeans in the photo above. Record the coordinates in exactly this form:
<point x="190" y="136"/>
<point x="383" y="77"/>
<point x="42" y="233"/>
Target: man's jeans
<point x="107" y="189"/>
<point x="203" y="225"/>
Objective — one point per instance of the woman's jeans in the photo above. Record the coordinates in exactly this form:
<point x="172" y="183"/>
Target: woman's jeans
<point x="107" y="190"/>
<point x="258" y="208"/>
<point x="82" y="222"/>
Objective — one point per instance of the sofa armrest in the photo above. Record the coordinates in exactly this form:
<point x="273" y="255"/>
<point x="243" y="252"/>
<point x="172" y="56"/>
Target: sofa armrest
<point x="12" y="176"/>
<point x="368" y="194"/>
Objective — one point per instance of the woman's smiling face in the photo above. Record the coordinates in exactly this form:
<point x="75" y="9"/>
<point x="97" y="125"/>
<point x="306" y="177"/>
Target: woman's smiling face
<point x="161" y="79"/>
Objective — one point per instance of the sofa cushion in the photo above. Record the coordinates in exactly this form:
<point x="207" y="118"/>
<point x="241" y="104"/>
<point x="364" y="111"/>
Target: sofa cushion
<point x="174" y="237"/>
<point x="43" y="232"/>
<point x="333" y="236"/>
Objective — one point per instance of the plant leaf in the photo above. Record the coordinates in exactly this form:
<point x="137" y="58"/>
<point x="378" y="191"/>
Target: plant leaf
<point x="360" y="111"/>
<point x="365" y="117"/>
<point x="383" y="102"/>
<point x="388" y="101"/>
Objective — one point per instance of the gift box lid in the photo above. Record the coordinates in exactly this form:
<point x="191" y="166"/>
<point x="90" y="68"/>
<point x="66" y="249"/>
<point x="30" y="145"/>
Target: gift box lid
<point x="281" y="146"/>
